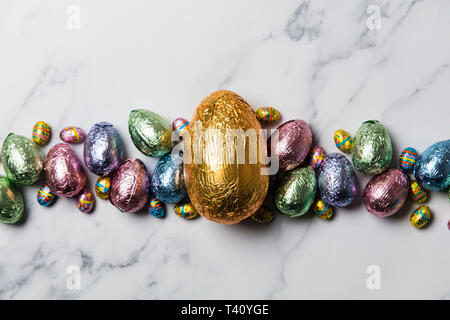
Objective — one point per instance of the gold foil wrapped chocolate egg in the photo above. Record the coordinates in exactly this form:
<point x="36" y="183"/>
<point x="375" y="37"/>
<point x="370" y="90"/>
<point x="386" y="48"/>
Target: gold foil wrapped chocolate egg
<point x="222" y="159"/>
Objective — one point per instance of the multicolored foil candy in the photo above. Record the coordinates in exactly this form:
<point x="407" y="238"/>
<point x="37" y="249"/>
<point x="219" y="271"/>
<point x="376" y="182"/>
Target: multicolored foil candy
<point x="343" y="141"/>
<point x="421" y="217"/>
<point x="45" y="197"/>
<point x="408" y="159"/>
<point x="186" y="211"/>
<point x="41" y="133"/>
<point x="156" y="207"/>
<point x="323" y="210"/>
<point x="72" y="135"/>
<point x="317" y="157"/>
<point x="85" y="201"/>
<point x="263" y="215"/>
<point x="268" y="115"/>
<point x="102" y="187"/>
<point x="180" y="125"/>
<point x="417" y="193"/>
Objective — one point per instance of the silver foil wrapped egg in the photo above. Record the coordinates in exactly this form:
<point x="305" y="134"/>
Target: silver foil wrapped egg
<point x="167" y="182"/>
<point x="432" y="169"/>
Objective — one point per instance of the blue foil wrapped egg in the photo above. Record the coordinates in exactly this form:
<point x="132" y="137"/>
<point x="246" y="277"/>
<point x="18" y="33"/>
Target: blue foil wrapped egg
<point x="337" y="181"/>
<point x="45" y="197"/>
<point x="432" y="169"/>
<point x="167" y="182"/>
<point x="103" y="149"/>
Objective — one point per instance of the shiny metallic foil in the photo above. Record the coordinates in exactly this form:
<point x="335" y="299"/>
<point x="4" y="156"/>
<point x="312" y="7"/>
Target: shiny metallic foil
<point x="11" y="202"/>
<point x="220" y="191"/>
<point x="167" y="182"/>
<point x="103" y="149"/>
<point x="337" y="181"/>
<point x="372" y="151"/>
<point x="296" y="192"/>
<point x="130" y="186"/>
<point x="386" y="192"/>
<point x="432" y="169"/>
<point x="22" y="160"/>
<point x="294" y="142"/>
<point x="63" y="171"/>
<point x="150" y="133"/>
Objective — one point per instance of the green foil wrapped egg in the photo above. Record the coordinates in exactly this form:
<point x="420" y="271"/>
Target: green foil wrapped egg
<point x="296" y="192"/>
<point x="150" y="133"/>
<point x="22" y="160"/>
<point x="11" y="202"/>
<point x="372" y="152"/>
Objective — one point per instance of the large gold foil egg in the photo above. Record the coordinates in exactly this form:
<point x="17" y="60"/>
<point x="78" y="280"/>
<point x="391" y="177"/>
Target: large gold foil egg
<point x="222" y="159"/>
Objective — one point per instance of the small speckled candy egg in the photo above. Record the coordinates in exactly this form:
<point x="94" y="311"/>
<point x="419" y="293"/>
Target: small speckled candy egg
<point x="408" y="159"/>
<point x="186" y="210"/>
<point x="45" y="197"/>
<point x="323" y="210"/>
<point x="317" y="157"/>
<point x="343" y="141"/>
<point x="85" y="201"/>
<point x="417" y="193"/>
<point x="180" y="125"/>
<point x="421" y="217"/>
<point x="156" y="207"/>
<point x="41" y="133"/>
<point x="268" y="115"/>
<point x="263" y="215"/>
<point x="102" y="187"/>
<point x="72" y="135"/>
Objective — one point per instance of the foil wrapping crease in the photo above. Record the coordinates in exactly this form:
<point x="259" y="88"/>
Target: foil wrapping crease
<point x="103" y="149"/>
<point x="130" y="186"/>
<point x="167" y="182"/>
<point x="63" y="171"/>
<point x="337" y="181"/>
<point x="11" y="202"/>
<point x="386" y="192"/>
<point x="372" y="151"/>
<point x="221" y="191"/>
<point x="432" y="169"/>
<point x="22" y="160"/>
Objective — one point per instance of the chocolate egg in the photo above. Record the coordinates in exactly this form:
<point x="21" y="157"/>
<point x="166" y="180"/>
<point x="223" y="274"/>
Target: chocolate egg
<point x="150" y="133"/>
<point x="63" y="171"/>
<point x="386" y="192"/>
<point x="323" y="210"/>
<point x="343" y="141"/>
<point x="22" y="160"/>
<point x="156" y="207"/>
<point x="291" y="143"/>
<point x="167" y="182"/>
<point x="41" y="133"/>
<point x="268" y="115"/>
<point x="372" y="152"/>
<point x="295" y="194"/>
<point x="180" y="125"/>
<point x="85" y="201"/>
<point x="408" y="159"/>
<point x="11" y="202"/>
<point x="130" y="186"/>
<point x="45" y="197"/>
<point x="421" y="217"/>
<point x="102" y="187"/>
<point x="263" y="215"/>
<point x="337" y="181"/>
<point x="222" y="175"/>
<point x="186" y="211"/>
<point x="317" y="156"/>
<point x="432" y="169"/>
<point x="103" y="149"/>
<point x="72" y="135"/>
<point x="417" y="193"/>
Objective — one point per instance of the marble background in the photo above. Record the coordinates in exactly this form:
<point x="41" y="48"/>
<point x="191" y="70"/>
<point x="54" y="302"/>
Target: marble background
<point x="331" y="63"/>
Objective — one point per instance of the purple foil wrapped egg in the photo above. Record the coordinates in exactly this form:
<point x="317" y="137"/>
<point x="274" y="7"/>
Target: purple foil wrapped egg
<point x="63" y="171"/>
<point x="72" y="135"/>
<point x="103" y="149"/>
<point x="317" y="156"/>
<point x="386" y="192"/>
<point x="85" y="201"/>
<point x="291" y="143"/>
<point x="130" y="186"/>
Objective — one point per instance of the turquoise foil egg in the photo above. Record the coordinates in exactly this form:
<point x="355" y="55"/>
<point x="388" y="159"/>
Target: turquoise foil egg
<point x="432" y="169"/>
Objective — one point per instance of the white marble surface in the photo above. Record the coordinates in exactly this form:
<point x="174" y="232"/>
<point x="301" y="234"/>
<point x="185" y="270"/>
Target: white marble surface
<point x="313" y="60"/>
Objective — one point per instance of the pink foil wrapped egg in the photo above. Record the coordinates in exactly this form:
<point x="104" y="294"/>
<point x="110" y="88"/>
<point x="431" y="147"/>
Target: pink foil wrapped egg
<point x="63" y="171"/>
<point x="72" y="135"/>
<point x="85" y="201"/>
<point x="386" y="192"/>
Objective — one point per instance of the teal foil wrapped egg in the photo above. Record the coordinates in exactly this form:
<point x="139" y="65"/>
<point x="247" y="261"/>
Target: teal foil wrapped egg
<point x="11" y="202"/>
<point x="372" y="152"/>
<point x="150" y="133"/>
<point x="167" y="182"/>
<point x="432" y="169"/>
<point x="156" y="208"/>
<point x="22" y="160"/>
<point x="45" y="197"/>
<point x="295" y="194"/>
<point x="408" y="159"/>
